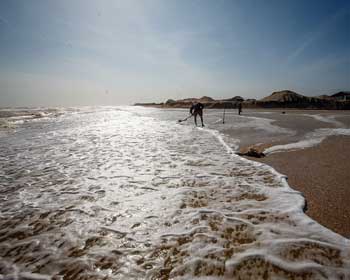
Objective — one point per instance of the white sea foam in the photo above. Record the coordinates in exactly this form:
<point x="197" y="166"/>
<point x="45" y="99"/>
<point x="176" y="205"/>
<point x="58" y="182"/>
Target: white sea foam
<point x="326" y="119"/>
<point x="262" y="124"/>
<point x="107" y="193"/>
<point x="311" y="139"/>
<point x="10" y="119"/>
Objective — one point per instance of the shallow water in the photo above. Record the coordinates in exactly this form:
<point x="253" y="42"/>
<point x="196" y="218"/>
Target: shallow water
<point x="128" y="193"/>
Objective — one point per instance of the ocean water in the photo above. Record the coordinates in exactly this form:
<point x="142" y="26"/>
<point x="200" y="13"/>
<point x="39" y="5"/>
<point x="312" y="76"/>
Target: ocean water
<point x="130" y="193"/>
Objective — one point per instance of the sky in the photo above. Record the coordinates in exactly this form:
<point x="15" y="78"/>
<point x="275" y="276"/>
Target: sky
<point x="84" y="52"/>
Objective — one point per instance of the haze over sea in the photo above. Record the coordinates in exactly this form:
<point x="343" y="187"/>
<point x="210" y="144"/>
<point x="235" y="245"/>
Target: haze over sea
<point x="129" y="193"/>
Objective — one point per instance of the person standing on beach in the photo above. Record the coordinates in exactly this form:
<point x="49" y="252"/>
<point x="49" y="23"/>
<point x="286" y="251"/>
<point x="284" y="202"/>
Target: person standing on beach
<point x="239" y="108"/>
<point x="197" y="109"/>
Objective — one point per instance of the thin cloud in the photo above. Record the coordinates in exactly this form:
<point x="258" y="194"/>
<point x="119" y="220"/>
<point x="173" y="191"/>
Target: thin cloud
<point x="318" y="33"/>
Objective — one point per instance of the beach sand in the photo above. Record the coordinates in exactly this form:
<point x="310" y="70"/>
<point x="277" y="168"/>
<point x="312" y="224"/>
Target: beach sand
<point x="322" y="174"/>
<point x="300" y="122"/>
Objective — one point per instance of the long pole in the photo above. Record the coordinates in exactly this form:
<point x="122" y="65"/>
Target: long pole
<point x="223" y="118"/>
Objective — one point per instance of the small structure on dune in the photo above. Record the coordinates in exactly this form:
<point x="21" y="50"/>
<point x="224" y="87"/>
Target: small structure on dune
<point x="342" y="96"/>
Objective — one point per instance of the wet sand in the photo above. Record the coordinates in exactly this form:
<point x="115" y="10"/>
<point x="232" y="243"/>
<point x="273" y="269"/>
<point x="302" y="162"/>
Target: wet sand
<point x="298" y="122"/>
<point x="322" y="174"/>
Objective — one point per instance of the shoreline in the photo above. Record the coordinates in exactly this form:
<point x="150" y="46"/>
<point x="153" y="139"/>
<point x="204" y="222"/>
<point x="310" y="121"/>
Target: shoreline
<point x="321" y="173"/>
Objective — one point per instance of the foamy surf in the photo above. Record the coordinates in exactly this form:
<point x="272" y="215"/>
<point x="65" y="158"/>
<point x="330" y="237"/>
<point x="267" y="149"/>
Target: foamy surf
<point x="326" y="119"/>
<point x="311" y="139"/>
<point x="106" y="193"/>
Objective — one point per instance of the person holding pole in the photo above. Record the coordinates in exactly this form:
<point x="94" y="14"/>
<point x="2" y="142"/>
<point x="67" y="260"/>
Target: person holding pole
<point x="197" y="109"/>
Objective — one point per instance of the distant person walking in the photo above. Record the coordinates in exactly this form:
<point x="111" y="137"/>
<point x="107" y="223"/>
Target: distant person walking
<point x="197" y="109"/>
<point x="239" y="108"/>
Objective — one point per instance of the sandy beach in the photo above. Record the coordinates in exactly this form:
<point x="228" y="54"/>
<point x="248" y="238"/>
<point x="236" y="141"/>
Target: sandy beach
<point x="318" y="165"/>
<point x="321" y="173"/>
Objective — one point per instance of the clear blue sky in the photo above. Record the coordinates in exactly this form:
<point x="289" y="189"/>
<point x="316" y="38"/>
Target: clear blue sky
<point x="72" y="52"/>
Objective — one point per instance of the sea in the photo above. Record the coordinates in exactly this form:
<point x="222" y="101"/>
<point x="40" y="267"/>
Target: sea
<point x="135" y="193"/>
